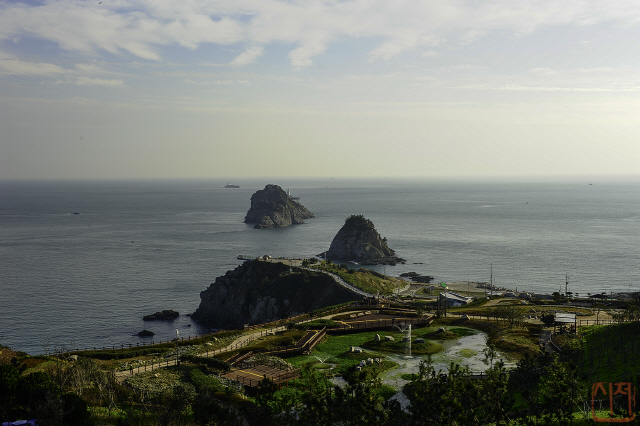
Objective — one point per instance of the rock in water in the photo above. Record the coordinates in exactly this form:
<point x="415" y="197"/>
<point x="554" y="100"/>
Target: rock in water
<point x="271" y="207"/>
<point x="166" y="315"/>
<point x="359" y="241"/>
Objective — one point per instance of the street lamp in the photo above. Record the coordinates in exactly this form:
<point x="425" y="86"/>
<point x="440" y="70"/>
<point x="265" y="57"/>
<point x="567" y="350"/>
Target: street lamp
<point x="445" y="297"/>
<point x="177" y="350"/>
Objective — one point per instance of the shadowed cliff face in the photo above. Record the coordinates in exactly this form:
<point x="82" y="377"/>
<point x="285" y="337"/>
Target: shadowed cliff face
<point x="271" y="207"/>
<point x="359" y="241"/>
<point x="257" y="292"/>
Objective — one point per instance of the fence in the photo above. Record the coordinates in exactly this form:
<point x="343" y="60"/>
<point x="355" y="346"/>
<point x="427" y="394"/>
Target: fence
<point x="278" y="378"/>
<point x="380" y="324"/>
<point x="273" y="325"/>
<point x="597" y="322"/>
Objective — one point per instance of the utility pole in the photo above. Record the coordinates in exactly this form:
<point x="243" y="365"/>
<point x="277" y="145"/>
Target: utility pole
<point x="490" y="281"/>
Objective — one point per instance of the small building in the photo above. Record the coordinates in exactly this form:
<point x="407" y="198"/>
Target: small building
<point x="566" y="322"/>
<point x="454" y="299"/>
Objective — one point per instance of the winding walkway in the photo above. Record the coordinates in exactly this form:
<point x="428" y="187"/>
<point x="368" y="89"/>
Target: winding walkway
<point x="246" y="338"/>
<point x="239" y="342"/>
<point x="545" y="340"/>
<point x="350" y="287"/>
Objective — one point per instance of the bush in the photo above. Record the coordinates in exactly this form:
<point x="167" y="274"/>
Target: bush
<point x="213" y="363"/>
<point x="76" y="411"/>
<point x="202" y="382"/>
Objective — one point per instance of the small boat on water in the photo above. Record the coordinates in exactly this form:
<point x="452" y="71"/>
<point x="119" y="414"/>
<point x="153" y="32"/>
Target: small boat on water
<point x="228" y="185"/>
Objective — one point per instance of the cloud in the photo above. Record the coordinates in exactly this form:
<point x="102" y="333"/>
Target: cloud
<point x="544" y="71"/>
<point x="301" y="56"/>
<point x="87" y="81"/>
<point x="143" y="28"/>
<point x="247" y="57"/>
<point x="10" y="65"/>
<point x="216" y="82"/>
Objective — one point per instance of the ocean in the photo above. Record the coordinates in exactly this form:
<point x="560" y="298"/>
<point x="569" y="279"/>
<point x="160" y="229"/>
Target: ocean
<point x="81" y="280"/>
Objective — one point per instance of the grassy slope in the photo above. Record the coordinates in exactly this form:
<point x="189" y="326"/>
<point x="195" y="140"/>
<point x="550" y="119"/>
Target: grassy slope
<point x="611" y="352"/>
<point x="365" y="279"/>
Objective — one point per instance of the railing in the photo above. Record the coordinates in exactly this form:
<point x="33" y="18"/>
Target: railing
<point x="248" y="381"/>
<point x="598" y="322"/>
<point x="311" y="343"/>
<point x="273" y="325"/>
<point x="556" y="347"/>
<point x="377" y="324"/>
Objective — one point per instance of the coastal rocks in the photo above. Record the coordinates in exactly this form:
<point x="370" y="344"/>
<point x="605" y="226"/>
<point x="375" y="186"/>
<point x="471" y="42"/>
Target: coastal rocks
<point x="271" y="207"/>
<point x="146" y="333"/>
<point x="417" y="278"/>
<point x="359" y="241"/>
<point x="166" y="315"/>
<point x="257" y="292"/>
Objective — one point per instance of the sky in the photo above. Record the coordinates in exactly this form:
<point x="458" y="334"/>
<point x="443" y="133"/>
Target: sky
<point x="345" y="88"/>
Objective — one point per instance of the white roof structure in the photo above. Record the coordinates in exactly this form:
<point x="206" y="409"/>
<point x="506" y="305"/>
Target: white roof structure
<point x="565" y="318"/>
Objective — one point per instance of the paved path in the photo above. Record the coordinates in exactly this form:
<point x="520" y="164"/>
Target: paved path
<point x="342" y="282"/>
<point x="545" y="340"/>
<point x="354" y="289"/>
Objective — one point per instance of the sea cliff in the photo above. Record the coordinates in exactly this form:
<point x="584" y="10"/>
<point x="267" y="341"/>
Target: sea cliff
<point x="257" y="292"/>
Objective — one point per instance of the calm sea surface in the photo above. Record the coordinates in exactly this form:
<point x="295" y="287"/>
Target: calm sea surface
<point x="85" y="280"/>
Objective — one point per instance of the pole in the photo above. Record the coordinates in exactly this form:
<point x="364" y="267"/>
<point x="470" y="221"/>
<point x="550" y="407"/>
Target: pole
<point x="177" y="350"/>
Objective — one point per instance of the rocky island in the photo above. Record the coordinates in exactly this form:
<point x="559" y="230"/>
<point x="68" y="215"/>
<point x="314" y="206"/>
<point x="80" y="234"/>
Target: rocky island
<point x="258" y="292"/>
<point x="166" y="315"/>
<point x="271" y="207"/>
<point x="359" y="241"/>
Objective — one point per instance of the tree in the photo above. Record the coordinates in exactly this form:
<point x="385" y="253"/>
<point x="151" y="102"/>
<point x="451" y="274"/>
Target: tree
<point x="557" y="297"/>
<point x="37" y="396"/>
<point x="9" y="377"/>
<point x="212" y="409"/>
<point x="548" y="319"/>
<point x="563" y="392"/>
<point x="317" y="402"/>
<point x="171" y="405"/>
<point x="76" y="411"/>
<point x="360" y="403"/>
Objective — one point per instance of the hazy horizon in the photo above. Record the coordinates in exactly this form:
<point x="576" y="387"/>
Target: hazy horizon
<point x="168" y="89"/>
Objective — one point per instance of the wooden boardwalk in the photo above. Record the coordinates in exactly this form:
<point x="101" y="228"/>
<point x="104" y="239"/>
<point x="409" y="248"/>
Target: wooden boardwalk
<point x="251" y="376"/>
<point x="376" y="321"/>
